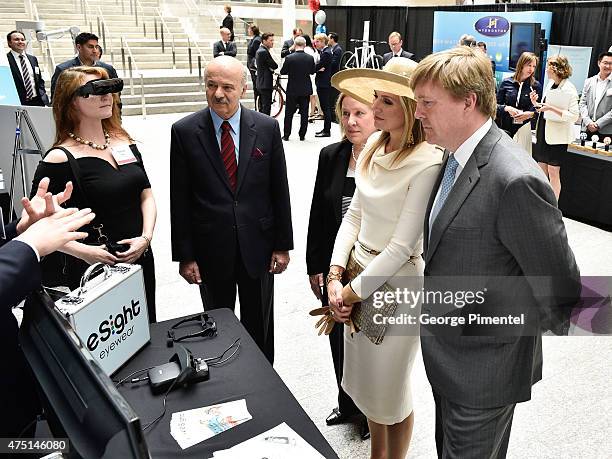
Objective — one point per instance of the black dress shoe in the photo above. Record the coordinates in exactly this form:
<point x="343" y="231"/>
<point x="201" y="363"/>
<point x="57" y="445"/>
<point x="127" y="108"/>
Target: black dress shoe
<point x="302" y="138"/>
<point x="322" y="134"/>
<point x="285" y="137"/>
<point x="336" y="417"/>
<point x="364" y="429"/>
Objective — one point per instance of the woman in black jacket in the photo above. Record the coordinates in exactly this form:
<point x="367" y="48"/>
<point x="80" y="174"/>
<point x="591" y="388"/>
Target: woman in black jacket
<point x="334" y="188"/>
<point x="514" y="108"/>
<point x="228" y="21"/>
<point x="252" y="48"/>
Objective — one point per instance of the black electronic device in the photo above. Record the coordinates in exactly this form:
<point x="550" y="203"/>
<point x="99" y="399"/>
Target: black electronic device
<point x="208" y="328"/>
<point x="524" y="37"/>
<point x="100" y="87"/>
<point x="80" y="401"/>
<point x="182" y="370"/>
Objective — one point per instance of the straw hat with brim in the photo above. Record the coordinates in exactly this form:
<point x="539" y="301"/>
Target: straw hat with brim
<point x="360" y="84"/>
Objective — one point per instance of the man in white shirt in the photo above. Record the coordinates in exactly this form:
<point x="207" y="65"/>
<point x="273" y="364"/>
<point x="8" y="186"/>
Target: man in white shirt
<point x="492" y="219"/>
<point x="395" y="44"/>
<point x="26" y="72"/>
<point x="596" y="99"/>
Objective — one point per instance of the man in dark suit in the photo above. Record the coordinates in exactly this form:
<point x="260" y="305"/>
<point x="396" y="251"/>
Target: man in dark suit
<point x="298" y="66"/>
<point x="252" y="48"/>
<point x="395" y="44"/>
<point x="26" y="72"/>
<point x="323" y="82"/>
<point x="225" y="47"/>
<point x="265" y="68"/>
<point x="39" y="232"/>
<point x="337" y="52"/>
<point x="492" y="217"/>
<point x="230" y="209"/>
<point x="86" y="44"/>
<point x="288" y="45"/>
<point x="228" y="21"/>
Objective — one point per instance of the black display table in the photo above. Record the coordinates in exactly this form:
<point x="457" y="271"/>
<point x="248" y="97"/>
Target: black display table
<point x="586" y="188"/>
<point x="248" y="375"/>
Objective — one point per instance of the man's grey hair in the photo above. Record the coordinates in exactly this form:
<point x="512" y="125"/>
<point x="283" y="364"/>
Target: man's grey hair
<point x="300" y="41"/>
<point x="243" y="80"/>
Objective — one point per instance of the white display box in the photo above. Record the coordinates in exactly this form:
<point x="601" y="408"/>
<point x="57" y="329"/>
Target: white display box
<point x="110" y="316"/>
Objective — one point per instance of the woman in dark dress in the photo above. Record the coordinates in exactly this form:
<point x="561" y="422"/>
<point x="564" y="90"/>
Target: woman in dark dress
<point x="514" y="107"/>
<point x="228" y="21"/>
<point x="334" y="188"/>
<point x="554" y="131"/>
<point x="92" y="150"/>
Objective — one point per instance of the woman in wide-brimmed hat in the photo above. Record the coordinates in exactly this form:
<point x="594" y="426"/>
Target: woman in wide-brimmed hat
<point x="382" y="233"/>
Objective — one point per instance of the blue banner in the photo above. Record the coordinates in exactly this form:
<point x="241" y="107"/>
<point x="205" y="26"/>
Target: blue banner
<point x="491" y="28"/>
<point x="8" y="92"/>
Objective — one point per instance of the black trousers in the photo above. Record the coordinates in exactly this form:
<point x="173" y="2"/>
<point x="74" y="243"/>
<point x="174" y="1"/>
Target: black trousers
<point x="256" y="302"/>
<point x="293" y="103"/>
<point x="325" y="95"/>
<point x="254" y="80"/>
<point x="336" y="344"/>
<point x="265" y="100"/>
<point x="34" y="102"/>
<point x="463" y="432"/>
<point x="334" y="98"/>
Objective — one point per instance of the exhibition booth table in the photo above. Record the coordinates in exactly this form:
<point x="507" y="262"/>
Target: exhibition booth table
<point x="586" y="186"/>
<point x="247" y="375"/>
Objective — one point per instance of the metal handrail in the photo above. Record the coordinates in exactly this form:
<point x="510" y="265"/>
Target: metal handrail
<point x="124" y="45"/>
<point x="189" y="4"/>
<point x="106" y="30"/>
<point x="165" y="26"/>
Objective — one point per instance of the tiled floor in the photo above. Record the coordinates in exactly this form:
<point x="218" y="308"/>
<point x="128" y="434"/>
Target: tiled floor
<point x="570" y="415"/>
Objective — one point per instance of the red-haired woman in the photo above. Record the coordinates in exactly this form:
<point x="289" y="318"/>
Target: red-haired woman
<point x="92" y="150"/>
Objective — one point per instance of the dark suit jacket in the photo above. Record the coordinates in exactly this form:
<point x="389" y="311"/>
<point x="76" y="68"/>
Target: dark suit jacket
<point x="387" y="57"/>
<point x="326" y="207"/>
<point x="500" y="222"/>
<point x="227" y="50"/>
<point x="228" y="22"/>
<point x="323" y="79"/>
<point x="19" y="275"/>
<point x="336" y="56"/>
<point x="298" y="66"/>
<point x="252" y="48"/>
<point x="39" y="83"/>
<point x="210" y="222"/>
<point x="265" y="67"/>
<point x="285" y="49"/>
<point x="75" y="62"/>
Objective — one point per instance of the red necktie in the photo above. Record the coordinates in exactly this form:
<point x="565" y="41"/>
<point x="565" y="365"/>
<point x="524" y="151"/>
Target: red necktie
<point x="228" y="154"/>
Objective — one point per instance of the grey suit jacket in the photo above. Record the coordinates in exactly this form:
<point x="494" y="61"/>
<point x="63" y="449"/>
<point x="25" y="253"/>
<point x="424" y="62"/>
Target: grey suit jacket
<point x="602" y="114"/>
<point x="499" y="222"/>
<point x="387" y="57"/>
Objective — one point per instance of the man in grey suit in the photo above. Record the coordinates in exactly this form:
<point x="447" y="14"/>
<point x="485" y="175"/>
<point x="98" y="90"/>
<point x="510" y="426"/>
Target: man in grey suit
<point x="491" y="215"/>
<point x="596" y="99"/>
<point x="395" y="45"/>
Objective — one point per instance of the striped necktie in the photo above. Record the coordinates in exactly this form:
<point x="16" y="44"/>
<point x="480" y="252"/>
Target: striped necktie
<point x="27" y="81"/>
<point x="228" y="153"/>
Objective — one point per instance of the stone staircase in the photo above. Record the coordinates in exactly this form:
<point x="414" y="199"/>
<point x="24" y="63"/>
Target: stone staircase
<point x="168" y="85"/>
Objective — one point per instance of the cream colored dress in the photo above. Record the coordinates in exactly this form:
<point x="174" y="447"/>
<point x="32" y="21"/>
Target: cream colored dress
<point x="386" y="215"/>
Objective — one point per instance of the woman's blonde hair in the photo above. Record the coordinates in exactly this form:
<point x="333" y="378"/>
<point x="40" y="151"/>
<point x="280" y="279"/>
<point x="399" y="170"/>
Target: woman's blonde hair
<point x="560" y="65"/>
<point x="413" y="134"/>
<point x="64" y="111"/>
<point x="526" y="58"/>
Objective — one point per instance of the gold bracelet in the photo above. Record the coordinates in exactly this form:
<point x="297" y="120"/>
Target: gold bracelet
<point x="146" y="239"/>
<point x="332" y="276"/>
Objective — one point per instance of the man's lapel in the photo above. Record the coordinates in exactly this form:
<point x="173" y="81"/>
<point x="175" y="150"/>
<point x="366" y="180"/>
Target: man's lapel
<point x="432" y="197"/>
<point x="467" y="180"/>
<point x="247" y="143"/>
<point x="208" y="139"/>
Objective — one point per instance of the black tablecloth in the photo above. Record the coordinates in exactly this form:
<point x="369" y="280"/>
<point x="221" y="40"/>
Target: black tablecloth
<point x="248" y="375"/>
<point x="586" y="188"/>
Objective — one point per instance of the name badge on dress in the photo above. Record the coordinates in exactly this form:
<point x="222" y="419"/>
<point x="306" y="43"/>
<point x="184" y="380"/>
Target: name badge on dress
<point x="123" y="155"/>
